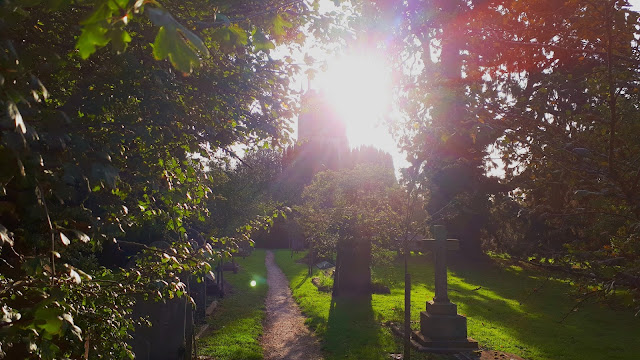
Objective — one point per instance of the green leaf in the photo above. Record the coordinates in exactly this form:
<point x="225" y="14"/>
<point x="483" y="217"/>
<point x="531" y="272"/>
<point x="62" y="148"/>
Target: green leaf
<point x="194" y="40"/>
<point x="101" y="14"/>
<point x="224" y="19"/>
<point x="49" y="320"/>
<point x="94" y="30"/>
<point x="230" y="37"/>
<point x="261" y="42"/>
<point x="119" y="4"/>
<point x="92" y="37"/>
<point x="169" y="44"/>
<point x="238" y="35"/>
<point x="279" y="24"/>
<point x="120" y="39"/>
<point x="162" y="18"/>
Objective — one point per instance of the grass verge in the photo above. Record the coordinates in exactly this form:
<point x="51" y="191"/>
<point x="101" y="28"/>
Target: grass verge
<point x="349" y="330"/>
<point x="509" y="308"/>
<point x="236" y="324"/>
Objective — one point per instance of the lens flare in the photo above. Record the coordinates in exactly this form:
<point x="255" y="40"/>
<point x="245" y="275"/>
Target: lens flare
<point x="358" y="86"/>
<point x="253" y="283"/>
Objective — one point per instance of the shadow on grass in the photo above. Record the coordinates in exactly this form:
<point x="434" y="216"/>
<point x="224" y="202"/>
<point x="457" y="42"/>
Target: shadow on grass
<point x="519" y="309"/>
<point x="352" y="331"/>
<point x="509" y="308"/>
<point x="301" y="282"/>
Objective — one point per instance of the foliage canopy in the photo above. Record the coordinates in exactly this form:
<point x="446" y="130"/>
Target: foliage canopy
<point x="106" y="153"/>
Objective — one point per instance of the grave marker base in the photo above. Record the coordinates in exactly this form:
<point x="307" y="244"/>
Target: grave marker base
<point x="426" y="344"/>
<point x="443" y="330"/>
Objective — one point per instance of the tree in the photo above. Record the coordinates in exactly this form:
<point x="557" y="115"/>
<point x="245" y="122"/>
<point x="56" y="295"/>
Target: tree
<point x="570" y="128"/>
<point x="100" y="146"/>
<point x="546" y="88"/>
<point x="246" y="191"/>
<point x="444" y="135"/>
<point x="349" y="212"/>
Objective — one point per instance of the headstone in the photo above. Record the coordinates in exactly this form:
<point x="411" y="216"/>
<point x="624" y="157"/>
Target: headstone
<point x="442" y="329"/>
<point x="170" y="335"/>
<point x="199" y="295"/>
<point x="171" y="332"/>
<point x="230" y="266"/>
<point x="323" y="265"/>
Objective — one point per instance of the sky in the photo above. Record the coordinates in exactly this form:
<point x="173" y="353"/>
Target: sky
<point x="359" y="86"/>
<point x="358" y="83"/>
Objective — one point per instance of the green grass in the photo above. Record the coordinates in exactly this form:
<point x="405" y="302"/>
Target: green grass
<point x="237" y="321"/>
<point x="349" y="330"/>
<point x="508" y="308"/>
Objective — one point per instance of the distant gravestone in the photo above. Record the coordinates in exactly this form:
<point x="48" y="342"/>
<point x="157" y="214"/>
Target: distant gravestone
<point x="323" y="265"/>
<point x="170" y="335"/>
<point x="199" y="295"/>
<point x="442" y="329"/>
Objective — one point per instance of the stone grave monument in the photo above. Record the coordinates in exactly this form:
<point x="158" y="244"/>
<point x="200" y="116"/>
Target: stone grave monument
<point x="442" y="329"/>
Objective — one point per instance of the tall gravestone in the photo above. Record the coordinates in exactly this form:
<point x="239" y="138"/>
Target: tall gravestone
<point x="352" y="277"/>
<point x="170" y="334"/>
<point x="442" y="329"/>
<point x="172" y="325"/>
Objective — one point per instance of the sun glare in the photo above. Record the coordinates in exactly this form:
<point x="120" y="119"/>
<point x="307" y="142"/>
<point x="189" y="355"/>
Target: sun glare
<point x="359" y="89"/>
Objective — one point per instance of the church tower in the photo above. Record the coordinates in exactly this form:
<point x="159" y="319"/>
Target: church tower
<point x="318" y="122"/>
<point x="322" y="134"/>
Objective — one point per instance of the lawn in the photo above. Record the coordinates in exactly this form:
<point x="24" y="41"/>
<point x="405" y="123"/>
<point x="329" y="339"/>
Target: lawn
<point x="349" y="330"/>
<point x="236" y="324"/>
<point x="509" y="308"/>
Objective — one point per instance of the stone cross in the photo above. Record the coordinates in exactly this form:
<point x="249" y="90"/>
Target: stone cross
<point x="442" y="329"/>
<point x="439" y="246"/>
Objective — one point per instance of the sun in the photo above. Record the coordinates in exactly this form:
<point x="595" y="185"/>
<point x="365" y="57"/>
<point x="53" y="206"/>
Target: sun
<point x="358" y="87"/>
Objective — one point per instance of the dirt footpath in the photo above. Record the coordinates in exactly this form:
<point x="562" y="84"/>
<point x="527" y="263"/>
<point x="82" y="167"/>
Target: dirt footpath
<point x="285" y="335"/>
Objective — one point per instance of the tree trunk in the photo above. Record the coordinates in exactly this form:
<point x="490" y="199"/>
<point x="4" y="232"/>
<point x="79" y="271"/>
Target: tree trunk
<point x="455" y="168"/>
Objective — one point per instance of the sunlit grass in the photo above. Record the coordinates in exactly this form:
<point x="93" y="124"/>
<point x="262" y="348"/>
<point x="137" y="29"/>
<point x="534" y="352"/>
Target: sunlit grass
<point x="237" y="321"/>
<point x="349" y="330"/>
<point x="509" y="308"/>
